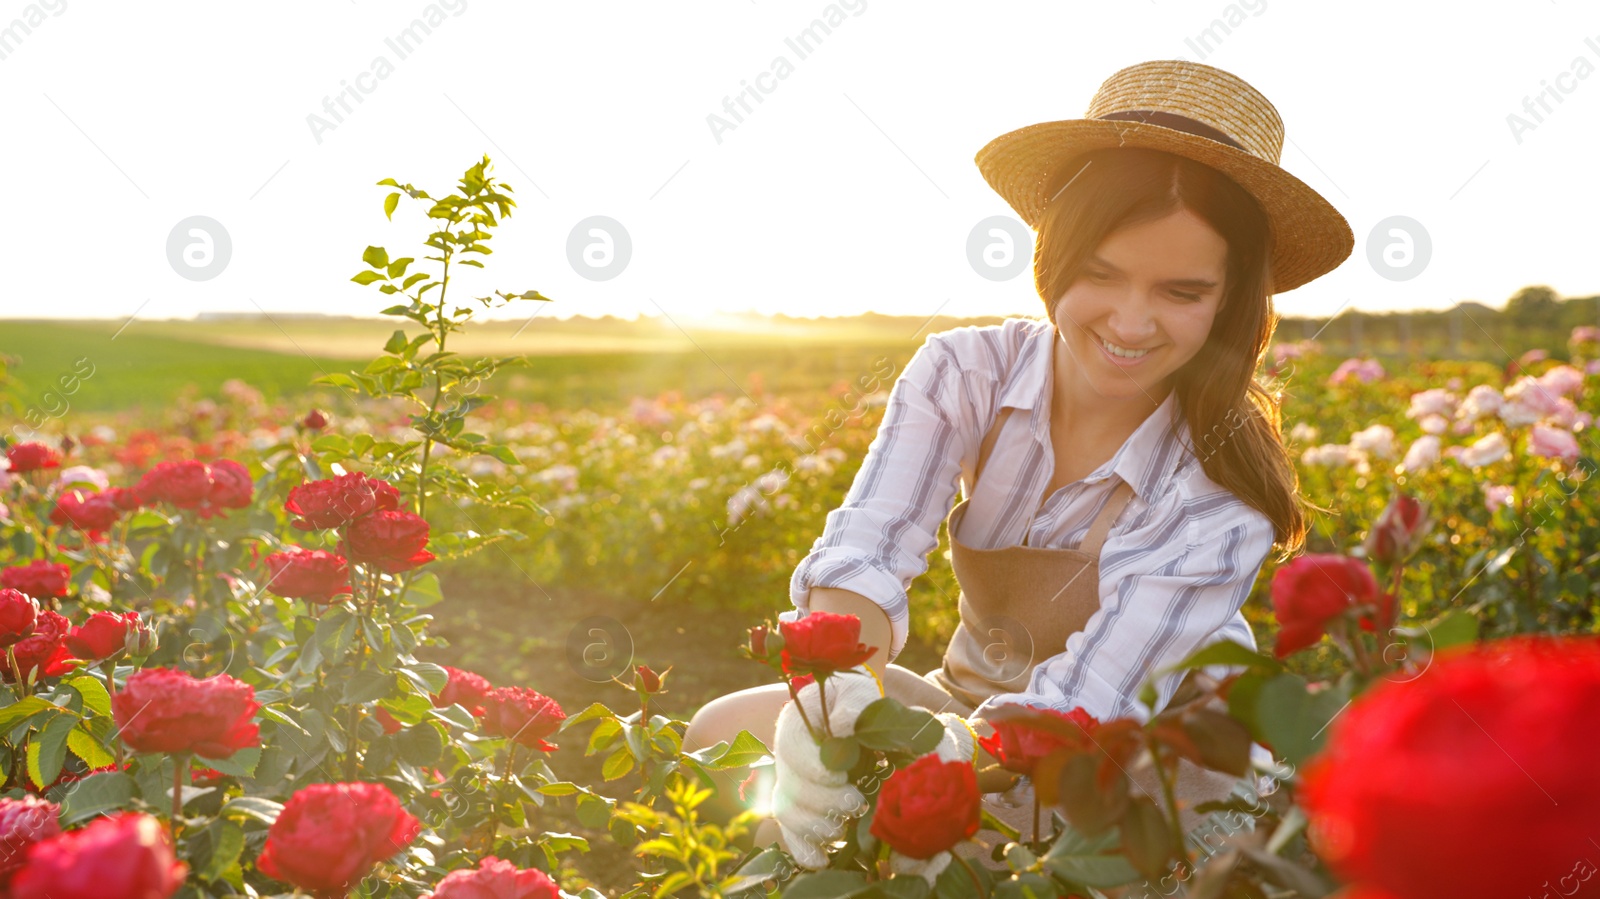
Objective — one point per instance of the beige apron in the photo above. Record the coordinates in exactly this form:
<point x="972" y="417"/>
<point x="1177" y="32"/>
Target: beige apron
<point x="1018" y="605"/>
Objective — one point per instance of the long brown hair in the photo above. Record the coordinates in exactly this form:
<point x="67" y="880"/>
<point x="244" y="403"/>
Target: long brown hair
<point x="1237" y="420"/>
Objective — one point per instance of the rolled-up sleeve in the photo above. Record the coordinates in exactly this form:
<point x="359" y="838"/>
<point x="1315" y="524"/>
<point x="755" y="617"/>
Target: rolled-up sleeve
<point x="1158" y="608"/>
<point x="878" y="540"/>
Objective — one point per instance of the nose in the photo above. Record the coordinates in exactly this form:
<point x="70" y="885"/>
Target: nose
<point x="1130" y="321"/>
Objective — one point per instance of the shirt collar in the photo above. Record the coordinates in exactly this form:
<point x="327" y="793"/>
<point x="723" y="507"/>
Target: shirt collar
<point x="1145" y="460"/>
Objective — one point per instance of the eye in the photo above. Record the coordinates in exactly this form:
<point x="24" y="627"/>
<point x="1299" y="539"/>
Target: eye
<point x="1099" y="276"/>
<point x="1191" y="297"/>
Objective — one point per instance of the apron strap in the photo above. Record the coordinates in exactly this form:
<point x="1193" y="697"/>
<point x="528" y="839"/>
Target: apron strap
<point x="1102" y="523"/>
<point x="988" y="445"/>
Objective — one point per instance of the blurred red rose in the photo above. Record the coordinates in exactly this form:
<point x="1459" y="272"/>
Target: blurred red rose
<point x="19" y="614"/>
<point x="522" y="715"/>
<point x="92" y="512"/>
<point x="314" y="575"/>
<point x="124" y="498"/>
<point x="495" y="878"/>
<point x="231" y="487"/>
<point x="329" y="836"/>
<point x="104" y="635"/>
<point x="823" y="641"/>
<point x="1313" y="590"/>
<point x="166" y="710"/>
<point x="314" y="420"/>
<point x="39" y="578"/>
<point x="182" y="483"/>
<point x="336" y="502"/>
<point x="43" y="653"/>
<point x="1399" y="530"/>
<point x="125" y="856"/>
<point x="32" y="457"/>
<point x="1492" y="745"/>
<point x="464" y="688"/>
<point x="23" y="822"/>
<point x="927" y="807"/>
<point x="391" y="540"/>
<point x="1020" y="742"/>
<point x="390" y="723"/>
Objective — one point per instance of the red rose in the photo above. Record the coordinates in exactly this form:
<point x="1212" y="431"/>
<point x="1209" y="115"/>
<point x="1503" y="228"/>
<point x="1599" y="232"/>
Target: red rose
<point x="314" y="420"/>
<point x="23" y="822"/>
<point x="32" y="457"/>
<point x="823" y="641"/>
<point x="43" y="653"/>
<point x="19" y="614"/>
<point x="38" y="578"/>
<point x="522" y="715"/>
<point x="203" y="776"/>
<point x="927" y="807"/>
<point x="125" y="856"/>
<point x="1398" y="532"/>
<point x="391" y="540"/>
<point x="124" y="498"/>
<point x="464" y="688"/>
<point x="231" y="487"/>
<point x="1492" y="745"/>
<point x="1314" y="589"/>
<point x="314" y="575"/>
<point x="329" y="836"/>
<point x="495" y="879"/>
<point x="166" y="710"/>
<point x="1020" y="742"/>
<point x="104" y="635"/>
<point x="92" y="512"/>
<point x="335" y="502"/>
<point x="390" y="723"/>
<point x="182" y="483"/>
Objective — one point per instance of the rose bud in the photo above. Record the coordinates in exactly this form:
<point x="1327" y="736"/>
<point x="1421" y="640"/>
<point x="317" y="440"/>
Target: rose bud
<point x="32" y="457"/>
<point x="522" y="715"/>
<point x="465" y="689"/>
<point x="758" y="641"/>
<point x="41" y="654"/>
<point x="165" y="710"/>
<point x="392" y="540"/>
<point x="39" y="578"/>
<point x="823" y="642"/>
<point x="495" y="879"/>
<point x="1399" y="530"/>
<point x="1314" y="589"/>
<point x="23" y="822"/>
<point x="927" y="807"/>
<point x="103" y="636"/>
<point x="314" y="421"/>
<point x="19" y="612"/>
<point x="328" y="836"/>
<point x="645" y="680"/>
<point x="142" y="640"/>
<point x="125" y="856"/>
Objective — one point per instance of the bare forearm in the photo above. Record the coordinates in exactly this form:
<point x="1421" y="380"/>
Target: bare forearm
<point x="874" y="620"/>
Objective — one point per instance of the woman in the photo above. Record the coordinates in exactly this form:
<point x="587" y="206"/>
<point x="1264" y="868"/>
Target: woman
<point x="1122" y="473"/>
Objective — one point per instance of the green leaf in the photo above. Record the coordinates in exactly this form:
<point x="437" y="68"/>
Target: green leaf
<point x="85" y="746"/>
<point x="335" y="630"/>
<point x="617" y="764"/>
<point x="263" y="810"/>
<point x="95" y="795"/>
<point x="389" y="204"/>
<point x="428" y="677"/>
<point x="377" y="257"/>
<point x="397" y="342"/>
<point x="398" y="267"/>
<point x="420" y="744"/>
<point x="424" y="590"/>
<point x="887" y="725"/>
<point x="1227" y="652"/>
<point x="241" y="764"/>
<point x="48" y="752"/>
<point x="366" y="277"/>
<point x="93" y="691"/>
<point x="367" y="685"/>
<point x="227" y="842"/>
<point x="840" y="753"/>
<point x="413" y="278"/>
<point x="1294" y="720"/>
<point x="746" y="748"/>
<point x="1093" y="862"/>
<point x="17" y="711"/>
<point x="826" y="885"/>
<point x="593" y="811"/>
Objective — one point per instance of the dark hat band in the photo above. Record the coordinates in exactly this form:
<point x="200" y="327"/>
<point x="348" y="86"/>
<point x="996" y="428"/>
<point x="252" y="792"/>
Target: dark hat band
<point x="1175" y="122"/>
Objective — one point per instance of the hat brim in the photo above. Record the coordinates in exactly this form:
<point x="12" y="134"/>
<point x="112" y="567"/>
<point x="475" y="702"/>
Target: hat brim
<point x="1310" y="237"/>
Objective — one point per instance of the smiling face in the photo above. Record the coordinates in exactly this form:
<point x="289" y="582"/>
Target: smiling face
<point x="1152" y="290"/>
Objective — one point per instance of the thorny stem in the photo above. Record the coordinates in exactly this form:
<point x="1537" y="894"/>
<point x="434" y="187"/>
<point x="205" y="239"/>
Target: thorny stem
<point x="111" y="690"/>
<point x="179" y="762"/>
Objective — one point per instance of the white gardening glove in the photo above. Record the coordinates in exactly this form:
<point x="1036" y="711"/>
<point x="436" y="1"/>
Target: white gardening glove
<point x="811" y="802"/>
<point x="958" y="744"/>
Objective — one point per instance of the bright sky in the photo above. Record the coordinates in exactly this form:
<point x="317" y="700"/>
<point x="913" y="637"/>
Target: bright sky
<point x="850" y="187"/>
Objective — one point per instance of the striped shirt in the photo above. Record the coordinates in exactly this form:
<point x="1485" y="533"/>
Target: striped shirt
<point x="1175" y="569"/>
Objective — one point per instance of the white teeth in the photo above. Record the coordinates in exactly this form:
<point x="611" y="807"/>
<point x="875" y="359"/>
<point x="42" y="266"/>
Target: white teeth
<point x="1115" y="350"/>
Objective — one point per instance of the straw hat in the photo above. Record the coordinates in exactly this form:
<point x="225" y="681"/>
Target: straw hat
<point x="1192" y="110"/>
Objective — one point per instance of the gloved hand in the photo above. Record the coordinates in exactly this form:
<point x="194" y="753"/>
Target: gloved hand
<point x="958" y="744"/>
<point x="811" y="802"/>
